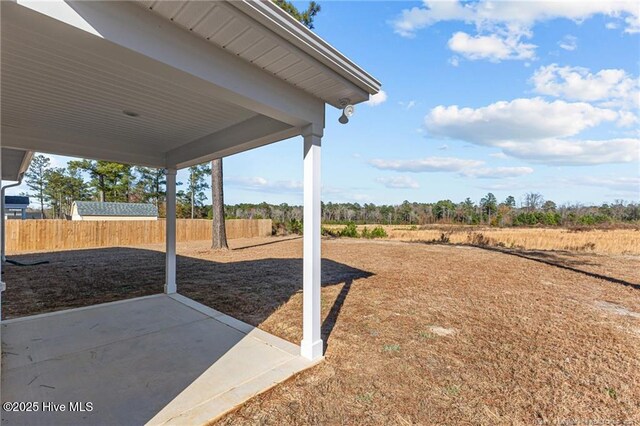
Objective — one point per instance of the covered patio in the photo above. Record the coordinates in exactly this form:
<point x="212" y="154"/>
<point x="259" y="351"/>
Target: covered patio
<point x="161" y="359"/>
<point x="166" y="85"/>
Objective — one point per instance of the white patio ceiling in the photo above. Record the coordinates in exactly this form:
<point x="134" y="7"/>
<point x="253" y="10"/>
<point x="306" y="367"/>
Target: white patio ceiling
<point x="55" y="84"/>
<point x="65" y="91"/>
<point x="204" y="79"/>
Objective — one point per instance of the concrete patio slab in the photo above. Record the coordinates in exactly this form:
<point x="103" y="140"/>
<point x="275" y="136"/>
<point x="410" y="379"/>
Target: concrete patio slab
<point x="153" y="360"/>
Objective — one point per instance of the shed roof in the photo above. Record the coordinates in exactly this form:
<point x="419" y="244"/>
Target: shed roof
<point x="97" y="208"/>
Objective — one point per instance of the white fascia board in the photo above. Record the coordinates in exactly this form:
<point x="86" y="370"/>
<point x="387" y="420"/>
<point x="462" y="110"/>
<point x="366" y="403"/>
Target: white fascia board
<point x="280" y="22"/>
<point x="26" y="162"/>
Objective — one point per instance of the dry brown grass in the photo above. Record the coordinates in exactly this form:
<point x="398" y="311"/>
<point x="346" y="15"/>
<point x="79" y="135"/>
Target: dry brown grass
<point x="416" y="333"/>
<point x="611" y="241"/>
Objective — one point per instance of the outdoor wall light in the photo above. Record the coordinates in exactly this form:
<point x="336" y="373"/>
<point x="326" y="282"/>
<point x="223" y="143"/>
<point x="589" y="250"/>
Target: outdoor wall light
<point x="347" y="111"/>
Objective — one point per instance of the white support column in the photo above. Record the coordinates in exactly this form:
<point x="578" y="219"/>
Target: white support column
<point x="170" y="234"/>
<point x="311" y="346"/>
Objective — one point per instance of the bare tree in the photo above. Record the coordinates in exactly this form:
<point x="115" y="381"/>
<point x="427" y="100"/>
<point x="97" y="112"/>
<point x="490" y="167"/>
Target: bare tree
<point x="219" y="239"/>
<point x="533" y="201"/>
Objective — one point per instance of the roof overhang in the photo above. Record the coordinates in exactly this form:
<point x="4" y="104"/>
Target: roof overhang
<point x="283" y="24"/>
<point x="164" y="84"/>
<point x="15" y="163"/>
<point x="293" y="52"/>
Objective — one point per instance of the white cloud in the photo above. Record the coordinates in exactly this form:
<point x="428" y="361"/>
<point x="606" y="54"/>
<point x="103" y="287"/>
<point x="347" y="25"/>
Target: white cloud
<point x="576" y="152"/>
<point x="630" y="185"/>
<point x="501" y="155"/>
<point x="398" y="182"/>
<point x="568" y="42"/>
<point x="443" y="147"/>
<point x="492" y="47"/>
<point x="610" y="88"/>
<point x="509" y="185"/>
<point x="377" y="99"/>
<point x="627" y="119"/>
<point x="345" y="194"/>
<point x="256" y="182"/>
<point x="261" y="184"/>
<point x="522" y="14"/>
<point x="464" y="167"/>
<point x="519" y="119"/>
<point x="408" y="105"/>
<point x="362" y="198"/>
<point x="535" y="130"/>
<point x="428" y="164"/>
<point x="497" y="172"/>
<point x="501" y="26"/>
<point x="633" y="22"/>
<point x="613" y="86"/>
<point x="430" y="13"/>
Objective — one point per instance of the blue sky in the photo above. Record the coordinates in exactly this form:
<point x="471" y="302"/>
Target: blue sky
<point x="502" y="97"/>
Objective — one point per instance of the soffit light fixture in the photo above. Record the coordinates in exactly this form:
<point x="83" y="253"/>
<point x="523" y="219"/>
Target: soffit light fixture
<point x="347" y="110"/>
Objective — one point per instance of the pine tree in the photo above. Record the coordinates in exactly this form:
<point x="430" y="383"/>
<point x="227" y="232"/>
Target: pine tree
<point x="151" y="185"/>
<point x="35" y="178"/>
<point x="196" y="186"/>
<point x="62" y="188"/>
<point x="109" y="181"/>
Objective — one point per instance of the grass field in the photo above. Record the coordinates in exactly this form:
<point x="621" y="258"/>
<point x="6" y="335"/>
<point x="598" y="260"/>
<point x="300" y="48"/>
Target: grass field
<point x="415" y="333"/>
<point x="606" y="241"/>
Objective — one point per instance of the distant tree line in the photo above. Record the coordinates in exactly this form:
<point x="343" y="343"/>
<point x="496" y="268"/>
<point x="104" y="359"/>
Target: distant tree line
<point x="55" y="188"/>
<point x="533" y="210"/>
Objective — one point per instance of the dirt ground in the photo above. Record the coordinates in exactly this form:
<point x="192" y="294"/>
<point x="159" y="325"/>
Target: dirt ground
<point x="415" y="333"/>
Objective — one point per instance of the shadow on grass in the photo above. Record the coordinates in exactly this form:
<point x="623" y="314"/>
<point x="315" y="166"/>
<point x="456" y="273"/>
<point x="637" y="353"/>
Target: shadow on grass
<point x="330" y="321"/>
<point x="250" y="290"/>
<point x="267" y="244"/>
<point x="548" y="258"/>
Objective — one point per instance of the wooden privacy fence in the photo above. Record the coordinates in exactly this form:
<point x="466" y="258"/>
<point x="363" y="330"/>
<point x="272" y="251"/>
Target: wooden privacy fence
<point x="54" y="234"/>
